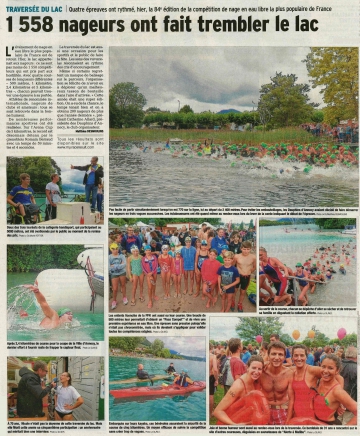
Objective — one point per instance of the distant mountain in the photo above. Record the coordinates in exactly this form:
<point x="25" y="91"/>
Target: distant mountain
<point x="228" y="111"/>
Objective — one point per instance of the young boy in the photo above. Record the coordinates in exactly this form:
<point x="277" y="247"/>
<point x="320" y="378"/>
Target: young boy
<point x="209" y="275"/>
<point x="229" y="277"/>
<point x="246" y="265"/>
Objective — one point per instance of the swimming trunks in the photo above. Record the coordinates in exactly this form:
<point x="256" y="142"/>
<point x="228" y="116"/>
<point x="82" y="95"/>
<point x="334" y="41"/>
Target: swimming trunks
<point x="244" y="281"/>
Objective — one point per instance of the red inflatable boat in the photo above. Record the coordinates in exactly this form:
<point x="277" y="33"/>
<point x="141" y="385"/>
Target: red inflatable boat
<point x="156" y="391"/>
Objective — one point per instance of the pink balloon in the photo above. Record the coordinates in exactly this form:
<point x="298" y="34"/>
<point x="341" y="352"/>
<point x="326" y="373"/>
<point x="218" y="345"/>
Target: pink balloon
<point x="341" y="333"/>
<point x="259" y="339"/>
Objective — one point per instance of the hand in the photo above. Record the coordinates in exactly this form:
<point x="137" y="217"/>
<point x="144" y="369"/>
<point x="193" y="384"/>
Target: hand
<point x="33" y="288"/>
<point x="67" y="406"/>
<point x="72" y="167"/>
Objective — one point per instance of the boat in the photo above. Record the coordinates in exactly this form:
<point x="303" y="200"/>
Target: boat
<point x="153" y="378"/>
<point x="156" y="391"/>
<point x="349" y="230"/>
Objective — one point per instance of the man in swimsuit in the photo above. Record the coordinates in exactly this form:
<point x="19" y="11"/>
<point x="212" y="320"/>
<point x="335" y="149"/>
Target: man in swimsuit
<point x="275" y="380"/>
<point x="246" y="265"/>
<point x="272" y="268"/>
<point x="52" y="318"/>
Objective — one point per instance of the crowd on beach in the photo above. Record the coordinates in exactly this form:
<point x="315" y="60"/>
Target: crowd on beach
<point x="309" y="274"/>
<point x="207" y="262"/>
<point x="272" y="384"/>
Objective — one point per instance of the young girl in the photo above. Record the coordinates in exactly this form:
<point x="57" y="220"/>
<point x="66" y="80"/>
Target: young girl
<point x="209" y="276"/>
<point x="117" y="271"/>
<point x="165" y="263"/>
<point x="177" y="271"/>
<point x="202" y="253"/>
<point x="149" y="264"/>
<point x="135" y="274"/>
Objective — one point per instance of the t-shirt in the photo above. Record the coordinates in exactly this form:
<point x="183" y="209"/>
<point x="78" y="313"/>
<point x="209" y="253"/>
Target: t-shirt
<point x="228" y="275"/>
<point x="209" y="270"/>
<point x="66" y="395"/>
<point x="188" y="255"/>
<point x="22" y="195"/>
<point x="117" y="265"/>
<point x="237" y="367"/>
<point x="55" y="194"/>
<point x="246" y="357"/>
<point x="91" y="175"/>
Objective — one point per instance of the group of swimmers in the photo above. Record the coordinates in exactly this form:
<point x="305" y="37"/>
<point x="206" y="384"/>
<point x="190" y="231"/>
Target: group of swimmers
<point x="320" y="155"/>
<point x="315" y="270"/>
<point x="289" y="390"/>
<point x="215" y="273"/>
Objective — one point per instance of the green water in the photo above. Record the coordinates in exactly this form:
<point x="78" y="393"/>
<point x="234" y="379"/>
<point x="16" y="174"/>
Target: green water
<point x="191" y="407"/>
<point x="86" y="326"/>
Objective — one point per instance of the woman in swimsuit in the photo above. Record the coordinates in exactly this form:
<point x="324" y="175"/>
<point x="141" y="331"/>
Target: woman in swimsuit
<point x="248" y="382"/>
<point x="303" y="284"/>
<point x="329" y="394"/>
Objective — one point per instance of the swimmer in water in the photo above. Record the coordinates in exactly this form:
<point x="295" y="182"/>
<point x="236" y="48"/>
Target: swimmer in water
<point x="52" y="318"/>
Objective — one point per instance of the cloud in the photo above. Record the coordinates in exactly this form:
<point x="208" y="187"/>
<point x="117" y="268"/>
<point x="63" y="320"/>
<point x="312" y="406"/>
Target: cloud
<point x="206" y="78"/>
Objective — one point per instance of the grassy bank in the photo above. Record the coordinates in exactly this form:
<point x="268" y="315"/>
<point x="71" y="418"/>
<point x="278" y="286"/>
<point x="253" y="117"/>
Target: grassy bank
<point x="219" y="395"/>
<point x="288" y="135"/>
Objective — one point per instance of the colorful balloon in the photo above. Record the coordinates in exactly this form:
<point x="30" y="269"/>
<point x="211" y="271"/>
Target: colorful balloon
<point x="259" y="339"/>
<point x="311" y="334"/>
<point x="296" y="334"/>
<point x="341" y="333"/>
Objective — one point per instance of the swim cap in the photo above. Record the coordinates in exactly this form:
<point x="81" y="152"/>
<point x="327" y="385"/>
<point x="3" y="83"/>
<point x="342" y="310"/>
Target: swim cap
<point x="184" y="370"/>
<point x="203" y="242"/>
<point x="319" y="272"/>
<point x="299" y="264"/>
<point x="225" y="247"/>
<point x="341" y="264"/>
<point x="172" y="244"/>
<point x="164" y="247"/>
<point x="62" y="311"/>
<point x="134" y="248"/>
<point x="114" y="246"/>
<point x="147" y="247"/>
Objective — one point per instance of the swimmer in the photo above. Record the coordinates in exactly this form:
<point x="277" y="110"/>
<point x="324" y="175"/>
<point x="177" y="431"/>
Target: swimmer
<point x="52" y="318"/>
<point x="303" y="284"/>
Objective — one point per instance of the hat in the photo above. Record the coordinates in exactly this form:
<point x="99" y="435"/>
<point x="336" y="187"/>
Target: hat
<point x="225" y="247"/>
<point x="64" y="310"/>
<point x="187" y="239"/>
<point x="299" y="264"/>
<point x="114" y="246"/>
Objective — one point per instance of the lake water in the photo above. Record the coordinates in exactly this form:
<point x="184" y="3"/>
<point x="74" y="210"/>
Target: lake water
<point x="176" y="177"/>
<point x="190" y="407"/>
<point x="300" y="244"/>
<point x="86" y="326"/>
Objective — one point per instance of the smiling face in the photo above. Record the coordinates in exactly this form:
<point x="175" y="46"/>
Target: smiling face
<point x="299" y="357"/>
<point x="228" y="262"/>
<point x="276" y="356"/>
<point x="255" y="370"/>
<point x="212" y="255"/>
<point x="328" y="369"/>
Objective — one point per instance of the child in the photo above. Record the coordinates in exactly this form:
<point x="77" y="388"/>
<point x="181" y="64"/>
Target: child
<point x="149" y="264"/>
<point x="229" y="277"/>
<point x="177" y="270"/>
<point x="246" y="265"/>
<point x="165" y="262"/>
<point x="117" y="271"/>
<point x="201" y="254"/>
<point x="220" y="258"/>
<point x="342" y="269"/>
<point x="209" y="276"/>
<point x="188" y="253"/>
<point x="135" y="274"/>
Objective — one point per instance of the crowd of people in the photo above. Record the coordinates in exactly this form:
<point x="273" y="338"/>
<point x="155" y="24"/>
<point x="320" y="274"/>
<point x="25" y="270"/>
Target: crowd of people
<point x="22" y="197"/>
<point x="325" y="154"/>
<point x="309" y="274"/>
<point x="295" y="385"/>
<point x="192" y="262"/>
<point x="344" y="133"/>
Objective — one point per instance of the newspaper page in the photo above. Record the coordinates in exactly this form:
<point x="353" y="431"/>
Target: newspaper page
<point x="180" y="191"/>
